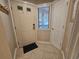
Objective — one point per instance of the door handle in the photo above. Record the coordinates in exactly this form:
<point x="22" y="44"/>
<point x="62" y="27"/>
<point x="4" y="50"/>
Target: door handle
<point x="34" y="26"/>
<point x="52" y="28"/>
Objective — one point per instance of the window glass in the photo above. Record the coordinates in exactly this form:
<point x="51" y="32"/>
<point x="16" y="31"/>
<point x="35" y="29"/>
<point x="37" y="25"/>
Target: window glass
<point x="43" y="17"/>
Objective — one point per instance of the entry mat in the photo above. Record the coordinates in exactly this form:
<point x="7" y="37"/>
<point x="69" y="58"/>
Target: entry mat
<point x="29" y="47"/>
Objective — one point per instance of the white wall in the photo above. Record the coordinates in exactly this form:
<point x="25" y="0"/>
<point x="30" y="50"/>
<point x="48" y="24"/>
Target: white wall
<point x="4" y="47"/>
<point x="43" y="35"/>
<point x="3" y="2"/>
<point x="8" y="28"/>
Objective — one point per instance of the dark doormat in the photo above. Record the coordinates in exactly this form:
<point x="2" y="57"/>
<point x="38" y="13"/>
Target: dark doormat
<point x="29" y="47"/>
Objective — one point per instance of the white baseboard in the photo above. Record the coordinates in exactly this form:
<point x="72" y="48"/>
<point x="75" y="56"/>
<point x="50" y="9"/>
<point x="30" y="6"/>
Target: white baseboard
<point x="43" y="42"/>
<point x="15" y="53"/>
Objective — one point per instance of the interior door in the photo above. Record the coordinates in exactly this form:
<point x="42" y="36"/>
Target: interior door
<point x="24" y="19"/>
<point x="59" y="12"/>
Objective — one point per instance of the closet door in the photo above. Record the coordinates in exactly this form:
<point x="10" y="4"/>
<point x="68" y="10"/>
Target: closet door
<point x="59" y="12"/>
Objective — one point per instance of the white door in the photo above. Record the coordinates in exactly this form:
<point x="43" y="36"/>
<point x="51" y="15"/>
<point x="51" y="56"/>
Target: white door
<point x="59" y="12"/>
<point x="24" y="19"/>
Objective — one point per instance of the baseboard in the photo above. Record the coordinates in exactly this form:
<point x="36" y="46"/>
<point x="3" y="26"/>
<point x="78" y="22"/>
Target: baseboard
<point x="63" y="54"/>
<point x="43" y="42"/>
<point x="15" y="53"/>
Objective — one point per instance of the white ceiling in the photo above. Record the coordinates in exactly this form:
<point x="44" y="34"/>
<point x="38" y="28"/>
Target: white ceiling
<point x="38" y="1"/>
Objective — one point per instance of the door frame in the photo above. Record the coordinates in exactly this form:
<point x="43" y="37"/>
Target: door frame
<point x="11" y="15"/>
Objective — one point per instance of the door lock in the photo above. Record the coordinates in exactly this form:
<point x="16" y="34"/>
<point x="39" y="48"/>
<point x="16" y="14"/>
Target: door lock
<point x="34" y="26"/>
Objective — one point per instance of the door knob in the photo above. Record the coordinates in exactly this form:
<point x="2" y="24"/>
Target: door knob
<point x="52" y="28"/>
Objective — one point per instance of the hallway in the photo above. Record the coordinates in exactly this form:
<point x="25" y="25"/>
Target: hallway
<point x="44" y="51"/>
<point x="39" y="29"/>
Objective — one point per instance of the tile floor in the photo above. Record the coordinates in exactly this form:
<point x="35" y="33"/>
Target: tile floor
<point x="44" y="51"/>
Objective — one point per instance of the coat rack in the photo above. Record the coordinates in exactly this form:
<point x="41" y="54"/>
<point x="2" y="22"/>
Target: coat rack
<point x="3" y="9"/>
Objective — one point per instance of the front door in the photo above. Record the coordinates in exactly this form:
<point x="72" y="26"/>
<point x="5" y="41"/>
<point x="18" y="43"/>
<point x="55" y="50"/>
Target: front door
<point x="24" y="19"/>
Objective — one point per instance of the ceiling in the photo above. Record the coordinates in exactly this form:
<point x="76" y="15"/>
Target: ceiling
<point x="38" y="1"/>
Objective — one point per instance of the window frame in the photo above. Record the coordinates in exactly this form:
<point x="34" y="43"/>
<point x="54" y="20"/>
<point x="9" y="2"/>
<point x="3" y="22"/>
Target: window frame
<point x="40" y="6"/>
